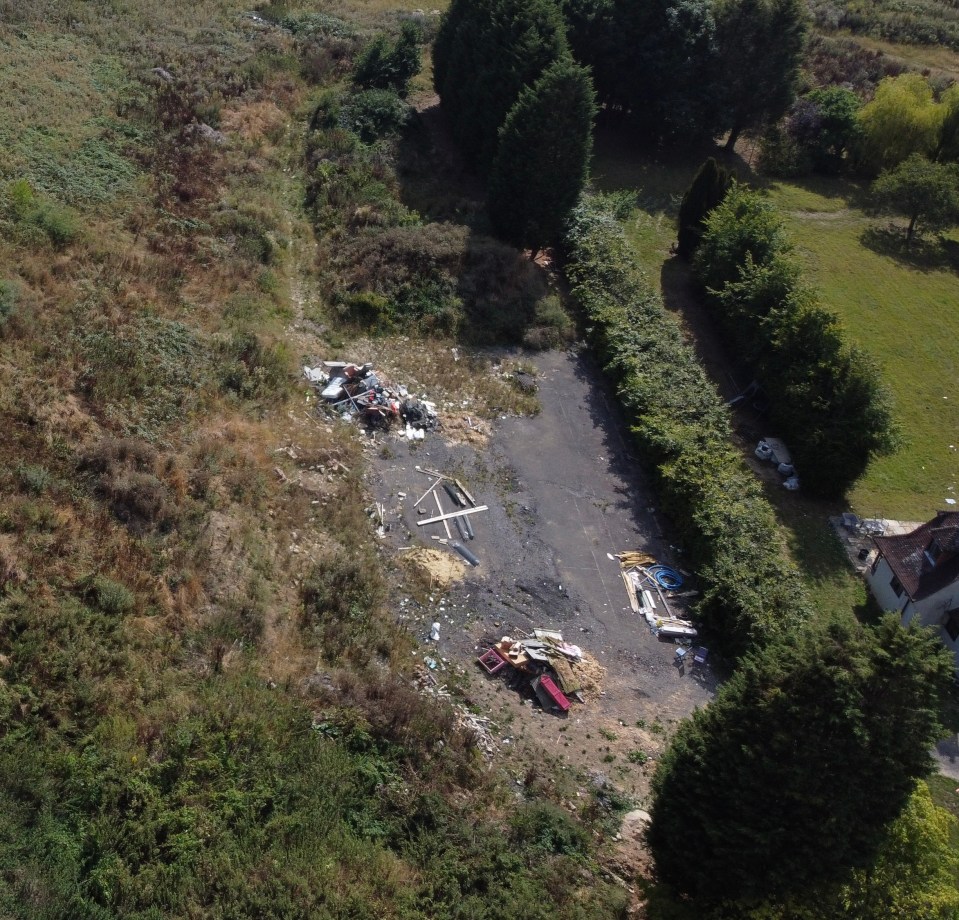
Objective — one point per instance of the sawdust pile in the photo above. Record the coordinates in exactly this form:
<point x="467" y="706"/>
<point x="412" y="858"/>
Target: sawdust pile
<point x="437" y="569"/>
<point x="590" y="674"/>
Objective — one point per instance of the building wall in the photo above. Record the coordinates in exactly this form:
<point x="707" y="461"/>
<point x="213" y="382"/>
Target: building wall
<point x="930" y="611"/>
<point x="880" y="583"/>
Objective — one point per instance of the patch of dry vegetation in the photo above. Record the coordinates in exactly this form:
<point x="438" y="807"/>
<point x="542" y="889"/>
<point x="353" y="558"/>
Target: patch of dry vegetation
<point x="203" y="703"/>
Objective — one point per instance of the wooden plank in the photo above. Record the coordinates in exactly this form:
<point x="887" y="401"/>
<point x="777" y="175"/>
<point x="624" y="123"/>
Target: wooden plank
<point x="452" y="514"/>
<point x="442" y="517"/>
<point x="462" y="489"/>
<point x="630" y="591"/>
<point x="427" y="492"/>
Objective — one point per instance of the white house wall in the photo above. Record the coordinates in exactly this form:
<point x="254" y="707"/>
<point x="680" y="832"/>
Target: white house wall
<point x="880" y="583"/>
<point x="930" y="611"/>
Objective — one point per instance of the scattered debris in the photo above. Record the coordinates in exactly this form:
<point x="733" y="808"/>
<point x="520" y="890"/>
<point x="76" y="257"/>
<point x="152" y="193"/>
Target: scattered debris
<point x="774" y="451"/>
<point x="357" y="392"/>
<point x="554" y="669"/>
<point x="461" y="497"/>
<point x="451" y="514"/>
<point x="205" y="132"/>
<point x="479" y="727"/>
<point x="647" y="582"/>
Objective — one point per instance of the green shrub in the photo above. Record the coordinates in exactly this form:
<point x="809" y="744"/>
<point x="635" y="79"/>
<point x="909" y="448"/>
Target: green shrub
<point x="34" y="478"/>
<point x="544" y="826"/>
<point x="368" y="310"/>
<point x="110" y="596"/>
<point x="374" y="114"/>
<point x="551" y="326"/>
<point x="390" y="65"/>
<point x="751" y="593"/>
<point x="59" y="223"/>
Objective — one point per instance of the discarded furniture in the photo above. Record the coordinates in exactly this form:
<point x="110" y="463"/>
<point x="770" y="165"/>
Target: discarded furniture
<point x="492" y="661"/>
<point x="549" y="694"/>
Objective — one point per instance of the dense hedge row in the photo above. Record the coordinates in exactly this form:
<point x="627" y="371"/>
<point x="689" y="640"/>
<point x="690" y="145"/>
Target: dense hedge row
<point x="751" y="592"/>
<point x="826" y="397"/>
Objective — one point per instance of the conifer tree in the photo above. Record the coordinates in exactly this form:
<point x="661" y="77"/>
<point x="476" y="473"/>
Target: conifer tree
<point x="708" y="188"/>
<point x="791" y="776"/>
<point x="760" y="44"/>
<point x="543" y="157"/>
<point x="486" y="51"/>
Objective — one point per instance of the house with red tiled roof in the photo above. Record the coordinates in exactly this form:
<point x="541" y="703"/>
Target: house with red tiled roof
<point x="917" y="575"/>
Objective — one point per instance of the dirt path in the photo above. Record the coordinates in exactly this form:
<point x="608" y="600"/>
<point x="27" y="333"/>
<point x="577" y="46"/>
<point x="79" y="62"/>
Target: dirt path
<point x="563" y="491"/>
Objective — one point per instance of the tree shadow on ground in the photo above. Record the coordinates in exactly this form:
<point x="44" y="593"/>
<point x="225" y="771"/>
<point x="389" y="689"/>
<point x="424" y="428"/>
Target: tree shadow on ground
<point x="681" y="297"/>
<point x="922" y="253"/>
<point x="658" y="176"/>
<point x="501" y="288"/>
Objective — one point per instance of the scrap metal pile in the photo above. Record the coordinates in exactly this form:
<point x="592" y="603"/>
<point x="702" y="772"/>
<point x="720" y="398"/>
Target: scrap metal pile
<point x="556" y="670"/>
<point x="648" y="584"/>
<point x="357" y="393"/>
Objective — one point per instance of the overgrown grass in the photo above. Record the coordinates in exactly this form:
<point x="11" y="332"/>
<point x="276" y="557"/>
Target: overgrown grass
<point x="924" y="22"/>
<point x="194" y="719"/>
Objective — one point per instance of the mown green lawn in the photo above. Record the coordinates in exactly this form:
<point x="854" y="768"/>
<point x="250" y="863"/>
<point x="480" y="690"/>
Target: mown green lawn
<point x="905" y="312"/>
<point x="902" y="309"/>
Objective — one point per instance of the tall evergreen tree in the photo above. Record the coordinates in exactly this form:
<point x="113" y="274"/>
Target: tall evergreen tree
<point x="653" y="61"/>
<point x="543" y="157"/>
<point x="791" y="776"/>
<point x="760" y="45"/>
<point x="486" y="51"/>
<point x="708" y="189"/>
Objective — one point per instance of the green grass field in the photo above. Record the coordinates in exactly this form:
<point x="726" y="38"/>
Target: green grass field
<point x="900" y="309"/>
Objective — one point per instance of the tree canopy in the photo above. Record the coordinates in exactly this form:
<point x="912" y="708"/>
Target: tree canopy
<point x="653" y="62"/>
<point x="826" y="398"/>
<point x="920" y="190"/>
<point x="760" y="45"/>
<point x="825" y="125"/>
<point x="902" y="119"/>
<point x="707" y="190"/>
<point x="486" y="51"/>
<point x="793" y="774"/>
<point x="543" y="156"/>
<point x="948" y="145"/>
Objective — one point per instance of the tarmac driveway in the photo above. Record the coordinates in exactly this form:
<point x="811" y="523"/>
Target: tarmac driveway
<point x="563" y="491"/>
